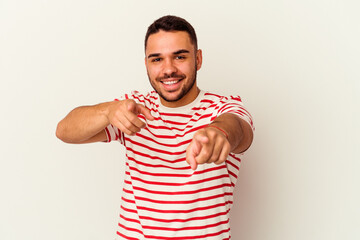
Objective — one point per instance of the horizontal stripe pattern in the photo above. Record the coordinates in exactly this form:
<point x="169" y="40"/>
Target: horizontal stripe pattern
<point x="162" y="197"/>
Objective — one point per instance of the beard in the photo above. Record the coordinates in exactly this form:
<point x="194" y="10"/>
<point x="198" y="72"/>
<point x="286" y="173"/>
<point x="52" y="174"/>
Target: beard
<point x="184" y="90"/>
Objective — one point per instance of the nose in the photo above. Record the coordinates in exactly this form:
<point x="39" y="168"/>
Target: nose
<point x="169" y="67"/>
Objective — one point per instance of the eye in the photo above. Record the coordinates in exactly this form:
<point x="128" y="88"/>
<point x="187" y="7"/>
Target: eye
<point x="155" y="59"/>
<point x="180" y="57"/>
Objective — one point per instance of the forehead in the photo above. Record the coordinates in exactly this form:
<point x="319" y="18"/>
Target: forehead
<point x="168" y="42"/>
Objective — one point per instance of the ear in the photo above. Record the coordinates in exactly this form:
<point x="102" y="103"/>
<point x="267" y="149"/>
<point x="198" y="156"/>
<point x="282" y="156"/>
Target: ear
<point x="198" y="59"/>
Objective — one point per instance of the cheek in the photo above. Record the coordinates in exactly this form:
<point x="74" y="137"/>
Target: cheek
<point x="188" y="70"/>
<point x="151" y="73"/>
<point x="155" y="68"/>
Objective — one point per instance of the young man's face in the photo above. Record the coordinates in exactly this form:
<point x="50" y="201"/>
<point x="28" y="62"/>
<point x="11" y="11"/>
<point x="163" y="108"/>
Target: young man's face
<point x="171" y="62"/>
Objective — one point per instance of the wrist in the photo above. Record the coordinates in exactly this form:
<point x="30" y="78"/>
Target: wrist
<point x="220" y="129"/>
<point x="104" y="109"/>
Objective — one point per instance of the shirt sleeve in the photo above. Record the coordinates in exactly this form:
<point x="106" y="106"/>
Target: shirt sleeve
<point x="234" y="105"/>
<point x="114" y="134"/>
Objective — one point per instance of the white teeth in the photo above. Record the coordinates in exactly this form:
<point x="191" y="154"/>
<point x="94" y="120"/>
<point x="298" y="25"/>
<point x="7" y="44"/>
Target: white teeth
<point x="170" y="82"/>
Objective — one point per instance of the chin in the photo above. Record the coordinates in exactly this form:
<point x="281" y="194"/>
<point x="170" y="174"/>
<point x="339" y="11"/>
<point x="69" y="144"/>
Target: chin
<point x="172" y="98"/>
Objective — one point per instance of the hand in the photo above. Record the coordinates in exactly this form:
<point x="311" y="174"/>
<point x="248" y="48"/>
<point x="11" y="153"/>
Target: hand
<point x="209" y="145"/>
<point x="124" y="115"/>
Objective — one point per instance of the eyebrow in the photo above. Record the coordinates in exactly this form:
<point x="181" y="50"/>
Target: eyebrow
<point x="175" y="53"/>
<point x="154" y="55"/>
<point x="181" y="51"/>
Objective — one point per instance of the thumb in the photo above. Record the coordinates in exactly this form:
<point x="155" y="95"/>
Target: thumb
<point x="201" y="139"/>
<point x="144" y="111"/>
<point x="132" y="106"/>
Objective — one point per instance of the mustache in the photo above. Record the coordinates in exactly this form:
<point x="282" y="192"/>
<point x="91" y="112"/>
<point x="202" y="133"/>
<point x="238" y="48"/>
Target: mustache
<point x="173" y="75"/>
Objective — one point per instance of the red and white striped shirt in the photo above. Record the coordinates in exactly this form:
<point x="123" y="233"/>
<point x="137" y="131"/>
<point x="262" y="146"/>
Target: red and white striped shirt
<point x="163" y="198"/>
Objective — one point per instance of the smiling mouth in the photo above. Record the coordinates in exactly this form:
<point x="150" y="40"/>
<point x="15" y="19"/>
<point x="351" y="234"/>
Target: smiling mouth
<point x="171" y="82"/>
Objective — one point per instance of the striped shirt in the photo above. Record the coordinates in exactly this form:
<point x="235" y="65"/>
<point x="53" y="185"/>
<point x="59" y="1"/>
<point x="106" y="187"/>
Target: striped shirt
<point x="163" y="198"/>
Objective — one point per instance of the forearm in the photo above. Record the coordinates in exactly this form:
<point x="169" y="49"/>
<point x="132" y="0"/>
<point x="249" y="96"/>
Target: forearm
<point x="83" y="123"/>
<point x="239" y="133"/>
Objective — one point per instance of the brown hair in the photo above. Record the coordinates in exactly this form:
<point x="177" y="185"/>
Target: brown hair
<point x="172" y="23"/>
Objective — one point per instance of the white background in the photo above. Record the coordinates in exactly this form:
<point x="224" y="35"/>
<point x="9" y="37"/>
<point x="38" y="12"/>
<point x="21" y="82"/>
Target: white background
<point x="295" y="64"/>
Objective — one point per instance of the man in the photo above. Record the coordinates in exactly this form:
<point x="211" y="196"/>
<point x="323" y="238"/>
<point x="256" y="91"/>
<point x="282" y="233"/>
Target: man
<point x="169" y="134"/>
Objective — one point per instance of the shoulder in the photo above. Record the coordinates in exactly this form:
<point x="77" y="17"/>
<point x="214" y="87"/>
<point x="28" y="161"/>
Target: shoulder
<point x="221" y="99"/>
<point x="147" y="98"/>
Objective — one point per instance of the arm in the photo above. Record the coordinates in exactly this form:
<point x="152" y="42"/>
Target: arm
<point x="211" y="144"/>
<point x="87" y="123"/>
<point x="239" y="131"/>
